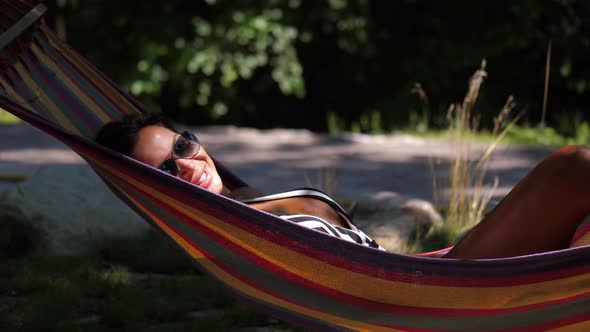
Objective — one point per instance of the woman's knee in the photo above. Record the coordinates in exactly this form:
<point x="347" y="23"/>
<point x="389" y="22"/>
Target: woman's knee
<point x="574" y="154"/>
<point x="570" y="160"/>
<point x="565" y="165"/>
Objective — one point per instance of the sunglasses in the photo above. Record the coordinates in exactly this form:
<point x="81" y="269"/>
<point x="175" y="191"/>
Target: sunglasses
<point x="186" y="146"/>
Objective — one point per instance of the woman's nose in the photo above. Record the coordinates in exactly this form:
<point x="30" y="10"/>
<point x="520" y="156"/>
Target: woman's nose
<point x="184" y="166"/>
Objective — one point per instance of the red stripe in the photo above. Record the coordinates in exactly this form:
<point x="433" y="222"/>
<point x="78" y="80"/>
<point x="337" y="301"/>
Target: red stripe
<point x="18" y="10"/>
<point x="88" y="79"/>
<point x="433" y="253"/>
<point x="337" y="295"/>
<point x="81" y="148"/>
<point x="8" y="17"/>
<point x="25" y="3"/>
<point x="71" y="107"/>
<point x="369" y="270"/>
<point x="106" y="110"/>
<point x="455" y="281"/>
<point x="581" y="231"/>
<point x="21" y="88"/>
<point x="219" y="239"/>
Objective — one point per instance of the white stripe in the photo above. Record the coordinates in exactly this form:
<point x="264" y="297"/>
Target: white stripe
<point x="320" y="225"/>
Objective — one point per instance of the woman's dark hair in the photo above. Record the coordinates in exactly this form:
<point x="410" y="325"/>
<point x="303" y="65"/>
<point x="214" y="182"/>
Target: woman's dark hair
<point x="121" y="135"/>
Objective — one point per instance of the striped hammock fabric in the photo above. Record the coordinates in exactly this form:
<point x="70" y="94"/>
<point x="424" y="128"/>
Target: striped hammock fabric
<point x="286" y="270"/>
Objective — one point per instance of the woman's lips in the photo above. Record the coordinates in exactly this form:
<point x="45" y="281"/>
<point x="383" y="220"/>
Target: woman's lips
<point x="203" y="180"/>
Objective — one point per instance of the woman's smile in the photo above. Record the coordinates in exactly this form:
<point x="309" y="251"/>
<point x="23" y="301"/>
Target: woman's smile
<point x="153" y="147"/>
<point x="201" y="177"/>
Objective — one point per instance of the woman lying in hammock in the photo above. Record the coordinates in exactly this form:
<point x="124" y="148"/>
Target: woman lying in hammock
<point x="540" y="214"/>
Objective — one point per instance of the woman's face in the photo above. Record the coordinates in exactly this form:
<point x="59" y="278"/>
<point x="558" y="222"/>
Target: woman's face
<point x="154" y="146"/>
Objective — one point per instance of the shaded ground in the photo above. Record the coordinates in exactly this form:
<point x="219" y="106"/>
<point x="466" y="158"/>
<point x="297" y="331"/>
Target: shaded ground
<point x="275" y="160"/>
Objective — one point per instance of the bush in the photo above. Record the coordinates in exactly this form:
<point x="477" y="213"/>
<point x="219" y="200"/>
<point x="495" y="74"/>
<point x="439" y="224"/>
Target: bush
<point x="18" y="236"/>
<point x="149" y="252"/>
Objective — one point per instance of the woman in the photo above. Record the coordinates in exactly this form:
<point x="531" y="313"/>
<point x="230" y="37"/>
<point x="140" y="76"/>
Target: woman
<point x="151" y="139"/>
<point x="540" y="214"/>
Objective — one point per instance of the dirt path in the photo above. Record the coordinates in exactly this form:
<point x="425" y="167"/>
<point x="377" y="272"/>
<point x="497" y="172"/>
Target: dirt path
<point x="274" y="160"/>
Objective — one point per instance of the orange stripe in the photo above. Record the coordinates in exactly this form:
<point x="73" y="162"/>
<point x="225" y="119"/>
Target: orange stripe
<point x="11" y="93"/>
<point x="46" y="100"/>
<point x="371" y="288"/>
<point x="244" y="288"/>
<point x="122" y="103"/>
<point x="66" y="80"/>
<point x="583" y="240"/>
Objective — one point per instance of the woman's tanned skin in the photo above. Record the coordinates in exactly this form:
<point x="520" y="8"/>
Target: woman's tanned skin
<point x="540" y="214"/>
<point x="155" y="143"/>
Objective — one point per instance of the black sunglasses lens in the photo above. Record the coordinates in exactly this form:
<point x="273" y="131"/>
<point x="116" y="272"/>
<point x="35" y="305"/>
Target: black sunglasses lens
<point x="169" y="166"/>
<point x="182" y="148"/>
<point x="190" y="136"/>
<point x="186" y="145"/>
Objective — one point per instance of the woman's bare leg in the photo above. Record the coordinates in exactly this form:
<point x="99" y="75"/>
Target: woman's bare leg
<point x="540" y="214"/>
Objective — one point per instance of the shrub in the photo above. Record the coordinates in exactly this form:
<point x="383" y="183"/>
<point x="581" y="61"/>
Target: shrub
<point x="18" y="236"/>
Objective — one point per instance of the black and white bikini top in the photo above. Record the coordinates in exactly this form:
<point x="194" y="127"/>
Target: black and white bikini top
<point x="351" y="234"/>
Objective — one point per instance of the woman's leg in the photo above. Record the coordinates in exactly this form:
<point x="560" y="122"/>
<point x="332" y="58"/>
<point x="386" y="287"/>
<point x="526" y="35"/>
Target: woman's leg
<point x="540" y="214"/>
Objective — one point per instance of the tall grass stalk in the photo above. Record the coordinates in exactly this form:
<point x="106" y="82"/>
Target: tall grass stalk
<point x="424" y="106"/>
<point x="467" y="197"/>
<point x="546" y="87"/>
<point x="325" y="181"/>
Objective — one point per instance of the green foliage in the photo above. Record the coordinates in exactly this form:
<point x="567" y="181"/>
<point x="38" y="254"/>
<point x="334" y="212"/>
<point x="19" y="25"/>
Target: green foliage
<point x="82" y="293"/>
<point x="7" y="118"/>
<point x="149" y="252"/>
<point x="111" y="290"/>
<point x="535" y="135"/>
<point x="549" y="136"/>
<point x="523" y="134"/>
<point x="219" y="51"/>
<point x="293" y="63"/>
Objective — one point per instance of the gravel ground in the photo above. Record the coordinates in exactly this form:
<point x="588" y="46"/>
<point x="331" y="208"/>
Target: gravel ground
<point x="358" y="166"/>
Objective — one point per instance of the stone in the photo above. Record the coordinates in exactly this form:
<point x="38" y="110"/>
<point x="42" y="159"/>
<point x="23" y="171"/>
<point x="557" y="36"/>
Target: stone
<point x="391" y="219"/>
<point x="72" y="207"/>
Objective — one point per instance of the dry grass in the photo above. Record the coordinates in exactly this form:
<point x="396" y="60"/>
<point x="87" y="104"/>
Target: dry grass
<point x="424" y="106"/>
<point x="467" y="198"/>
<point x="325" y="181"/>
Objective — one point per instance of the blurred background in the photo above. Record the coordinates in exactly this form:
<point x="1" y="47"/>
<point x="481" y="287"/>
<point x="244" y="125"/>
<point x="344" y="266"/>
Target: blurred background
<point x="338" y="65"/>
<point x="408" y="69"/>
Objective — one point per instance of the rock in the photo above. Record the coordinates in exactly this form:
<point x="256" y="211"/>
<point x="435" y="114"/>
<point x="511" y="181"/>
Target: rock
<point x="391" y="219"/>
<point x="72" y="207"/>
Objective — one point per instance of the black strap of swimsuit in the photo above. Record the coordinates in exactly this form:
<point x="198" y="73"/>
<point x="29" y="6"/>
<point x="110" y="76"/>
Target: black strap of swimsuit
<point x="302" y="192"/>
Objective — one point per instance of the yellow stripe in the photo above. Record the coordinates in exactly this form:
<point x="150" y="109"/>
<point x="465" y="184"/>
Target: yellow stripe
<point x="96" y="79"/>
<point x="38" y="92"/>
<point x="162" y="225"/>
<point x="12" y="94"/>
<point x="375" y="289"/>
<point x="65" y="79"/>
<point x="242" y="287"/>
<point x="584" y="240"/>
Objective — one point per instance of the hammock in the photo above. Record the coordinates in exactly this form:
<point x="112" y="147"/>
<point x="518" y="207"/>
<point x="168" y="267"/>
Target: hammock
<point x="291" y="272"/>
